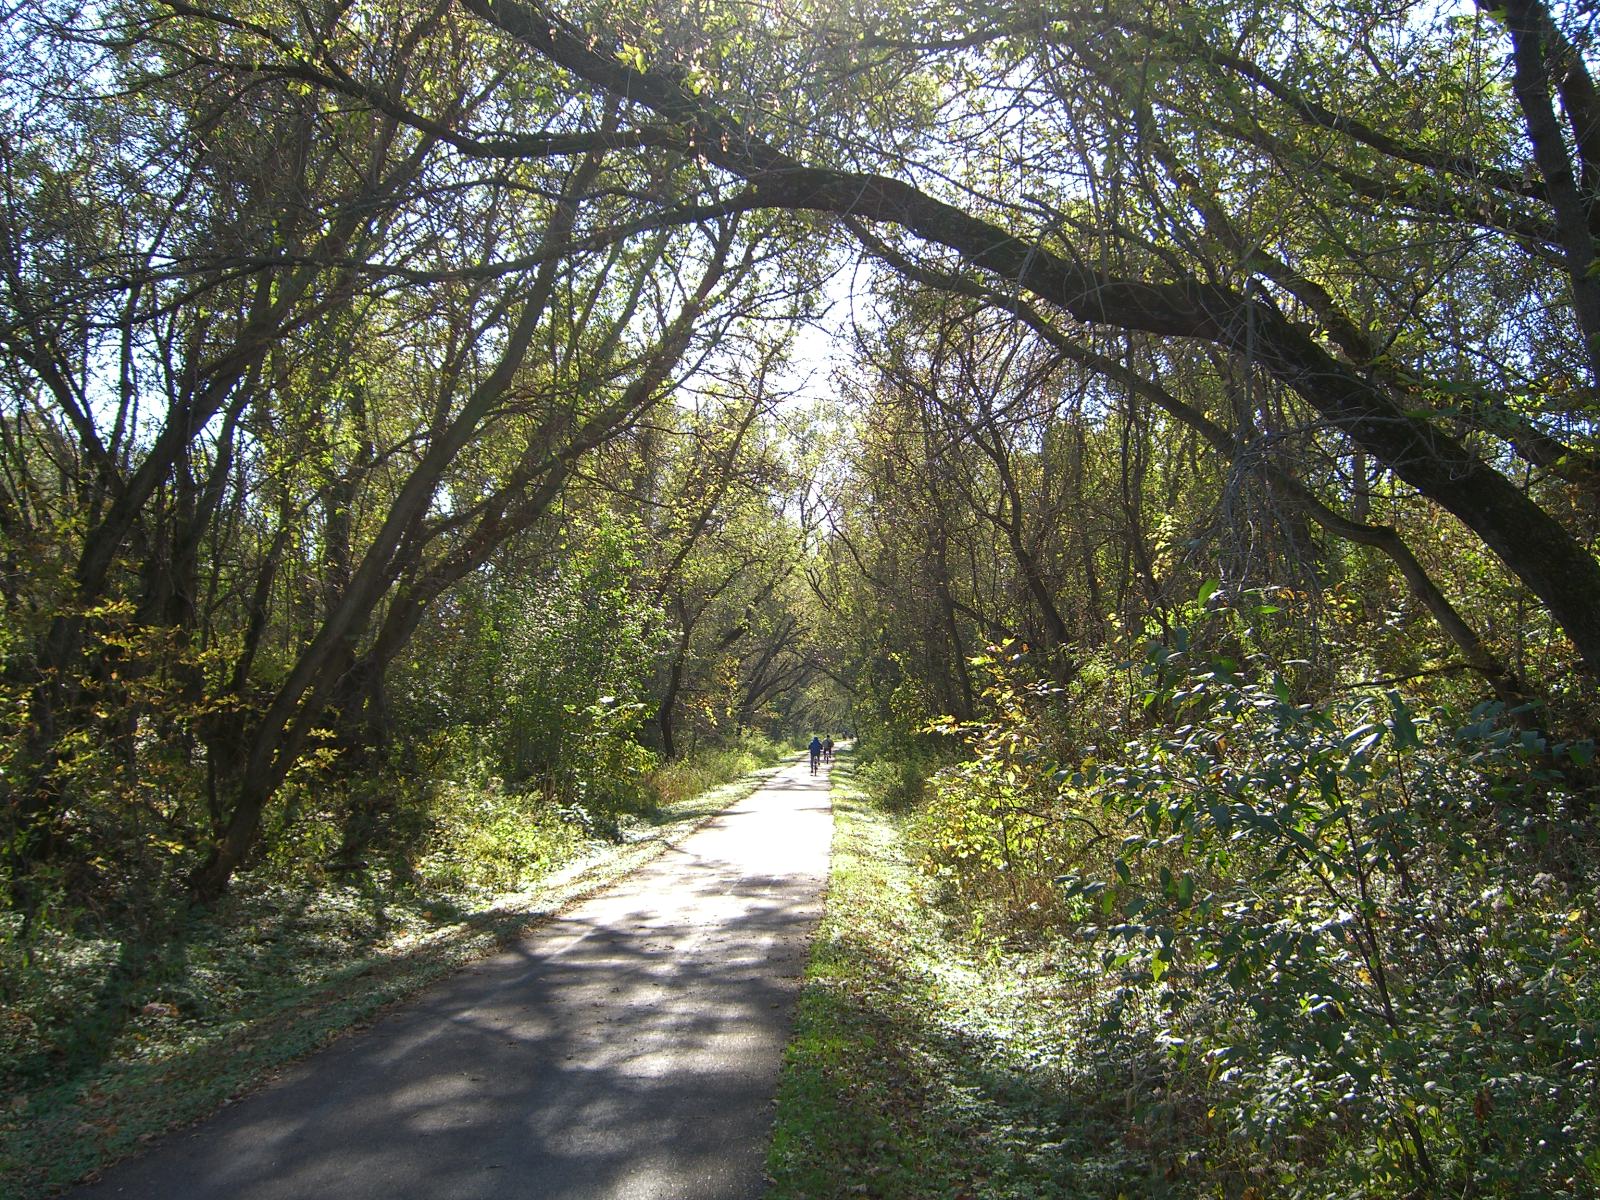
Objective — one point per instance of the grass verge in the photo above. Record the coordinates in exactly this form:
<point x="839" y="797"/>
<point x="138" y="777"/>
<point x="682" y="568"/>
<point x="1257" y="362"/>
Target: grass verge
<point x="275" y="975"/>
<point x="923" y="1067"/>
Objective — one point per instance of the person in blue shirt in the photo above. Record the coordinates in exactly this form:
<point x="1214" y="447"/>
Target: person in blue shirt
<point x="816" y="752"/>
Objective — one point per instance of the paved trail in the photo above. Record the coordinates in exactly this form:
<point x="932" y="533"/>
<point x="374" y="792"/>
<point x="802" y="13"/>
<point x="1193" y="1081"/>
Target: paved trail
<point x="628" y="1049"/>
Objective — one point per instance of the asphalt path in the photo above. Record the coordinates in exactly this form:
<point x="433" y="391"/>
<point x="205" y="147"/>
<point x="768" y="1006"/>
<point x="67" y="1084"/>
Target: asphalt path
<point x="627" y="1049"/>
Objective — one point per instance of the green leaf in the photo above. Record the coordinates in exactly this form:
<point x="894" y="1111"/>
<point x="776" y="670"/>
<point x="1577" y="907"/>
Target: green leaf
<point x="1400" y="723"/>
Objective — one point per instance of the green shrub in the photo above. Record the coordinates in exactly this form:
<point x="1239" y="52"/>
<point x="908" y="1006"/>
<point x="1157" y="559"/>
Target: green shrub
<point x="895" y="785"/>
<point x="680" y="779"/>
<point x="1371" y="918"/>
<point x="487" y="839"/>
<point x="1356" y="936"/>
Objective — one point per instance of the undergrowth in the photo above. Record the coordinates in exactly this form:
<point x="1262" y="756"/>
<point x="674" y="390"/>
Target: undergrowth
<point x="683" y="778"/>
<point x="1356" y="930"/>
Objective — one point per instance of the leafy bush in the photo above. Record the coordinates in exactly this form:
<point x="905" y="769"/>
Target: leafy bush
<point x="682" y="778"/>
<point x="996" y="828"/>
<point x="895" y="785"/>
<point x="486" y="838"/>
<point x="541" y="681"/>
<point x="1373" y="915"/>
<point x="1358" y="934"/>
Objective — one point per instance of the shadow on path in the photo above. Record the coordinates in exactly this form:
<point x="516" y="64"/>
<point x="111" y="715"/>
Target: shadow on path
<point x="628" y="1049"/>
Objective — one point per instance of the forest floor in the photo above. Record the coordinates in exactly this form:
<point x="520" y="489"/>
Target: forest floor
<point x="928" y="1061"/>
<point x="310" y="976"/>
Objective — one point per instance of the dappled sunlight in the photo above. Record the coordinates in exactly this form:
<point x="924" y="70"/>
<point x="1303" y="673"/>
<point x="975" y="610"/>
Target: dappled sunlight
<point x="632" y="1044"/>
